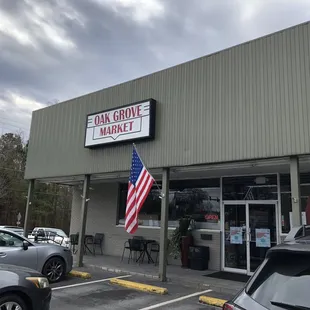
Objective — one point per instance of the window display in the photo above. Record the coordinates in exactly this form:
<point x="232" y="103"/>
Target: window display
<point x="199" y="199"/>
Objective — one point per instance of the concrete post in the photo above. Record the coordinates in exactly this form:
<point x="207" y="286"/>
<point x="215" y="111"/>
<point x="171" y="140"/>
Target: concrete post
<point x="83" y="218"/>
<point x="28" y="206"/>
<point x="164" y="226"/>
<point x="295" y="191"/>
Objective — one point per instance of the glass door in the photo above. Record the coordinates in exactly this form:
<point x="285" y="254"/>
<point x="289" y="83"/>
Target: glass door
<point x="262" y="228"/>
<point x="235" y="233"/>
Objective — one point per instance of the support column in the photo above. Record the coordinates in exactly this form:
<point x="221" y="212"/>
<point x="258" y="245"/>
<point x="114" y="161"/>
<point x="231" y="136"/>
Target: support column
<point x="163" y="254"/>
<point x="295" y="191"/>
<point x="28" y="206"/>
<point x="83" y="218"/>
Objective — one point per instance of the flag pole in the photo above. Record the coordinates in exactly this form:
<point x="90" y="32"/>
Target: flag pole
<point x="161" y="192"/>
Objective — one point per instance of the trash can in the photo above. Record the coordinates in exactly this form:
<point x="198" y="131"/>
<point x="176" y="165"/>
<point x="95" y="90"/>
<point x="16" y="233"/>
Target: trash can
<point x="199" y="257"/>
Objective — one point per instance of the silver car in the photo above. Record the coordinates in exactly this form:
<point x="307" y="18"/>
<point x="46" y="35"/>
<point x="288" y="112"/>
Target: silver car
<point x="51" y="260"/>
<point x="282" y="281"/>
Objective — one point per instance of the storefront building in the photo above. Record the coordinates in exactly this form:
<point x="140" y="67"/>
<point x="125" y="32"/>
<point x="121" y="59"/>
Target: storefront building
<point x="231" y="130"/>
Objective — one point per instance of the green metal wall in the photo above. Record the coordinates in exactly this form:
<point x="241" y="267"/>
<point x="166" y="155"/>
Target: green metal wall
<point x="247" y="102"/>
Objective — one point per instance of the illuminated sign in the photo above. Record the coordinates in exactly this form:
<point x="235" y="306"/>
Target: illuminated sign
<point x="128" y="123"/>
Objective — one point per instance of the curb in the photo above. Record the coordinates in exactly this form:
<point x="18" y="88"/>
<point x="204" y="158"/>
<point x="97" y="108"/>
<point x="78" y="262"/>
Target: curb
<point x="197" y="284"/>
<point x="133" y="273"/>
<point x="211" y="301"/>
<point x="80" y="274"/>
<point x="140" y="286"/>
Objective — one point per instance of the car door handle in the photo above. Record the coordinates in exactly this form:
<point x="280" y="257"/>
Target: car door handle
<point x="2" y="254"/>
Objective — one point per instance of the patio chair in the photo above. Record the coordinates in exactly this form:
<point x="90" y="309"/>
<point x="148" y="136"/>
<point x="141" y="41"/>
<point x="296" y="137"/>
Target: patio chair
<point x="134" y="245"/>
<point x="74" y="241"/>
<point x="98" y="241"/>
<point x="138" y="237"/>
<point x="155" y="248"/>
<point x="88" y="244"/>
<point x="127" y="246"/>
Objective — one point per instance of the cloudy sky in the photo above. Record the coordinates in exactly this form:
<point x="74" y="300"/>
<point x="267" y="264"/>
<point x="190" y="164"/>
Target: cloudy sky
<point x="53" y="50"/>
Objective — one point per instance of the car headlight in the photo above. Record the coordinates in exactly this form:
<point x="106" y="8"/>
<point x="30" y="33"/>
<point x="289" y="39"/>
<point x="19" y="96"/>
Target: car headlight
<point x="39" y="282"/>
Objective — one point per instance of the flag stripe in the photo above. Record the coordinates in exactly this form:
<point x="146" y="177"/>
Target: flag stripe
<point x="141" y="181"/>
<point x="139" y="186"/>
<point x="142" y="199"/>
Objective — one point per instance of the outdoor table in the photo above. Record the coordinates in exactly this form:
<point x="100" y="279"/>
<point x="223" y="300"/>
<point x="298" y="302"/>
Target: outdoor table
<point x="145" y="244"/>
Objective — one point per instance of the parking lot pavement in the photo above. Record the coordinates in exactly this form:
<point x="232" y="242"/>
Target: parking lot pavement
<point x="96" y="275"/>
<point x="98" y="293"/>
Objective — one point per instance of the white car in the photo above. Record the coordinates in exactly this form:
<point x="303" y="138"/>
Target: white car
<point x="50" y="235"/>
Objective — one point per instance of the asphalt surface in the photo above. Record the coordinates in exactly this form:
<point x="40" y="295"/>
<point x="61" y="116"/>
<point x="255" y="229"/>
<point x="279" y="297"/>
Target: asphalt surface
<point x="97" y="293"/>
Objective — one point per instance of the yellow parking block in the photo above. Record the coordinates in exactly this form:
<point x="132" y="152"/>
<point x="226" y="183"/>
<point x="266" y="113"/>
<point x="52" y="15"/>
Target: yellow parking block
<point x="80" y="274"/>
<point x="140" y="286"/>
<point x="212" y="301"/>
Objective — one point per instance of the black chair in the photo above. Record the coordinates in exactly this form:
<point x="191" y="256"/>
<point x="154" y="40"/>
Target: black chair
<point x="138" y="237"/>
<point x="134" y="245"/>
<point x="155" y="248"/>
<point x="126" y="247"/>
<point x="74" y="241"/>
<point x="98" y="241"/>
<point x="88" y="244"/>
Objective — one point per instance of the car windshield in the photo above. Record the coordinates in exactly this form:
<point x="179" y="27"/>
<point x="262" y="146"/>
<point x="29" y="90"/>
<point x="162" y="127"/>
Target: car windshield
<point x="60" y="233"/>
<point x="283" y="279"/>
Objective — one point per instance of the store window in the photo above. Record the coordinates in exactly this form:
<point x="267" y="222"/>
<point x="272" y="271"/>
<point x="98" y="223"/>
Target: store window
<point x="286" y="202"/>
<point x="199" y="199"/>
<point x="257" y="187"/>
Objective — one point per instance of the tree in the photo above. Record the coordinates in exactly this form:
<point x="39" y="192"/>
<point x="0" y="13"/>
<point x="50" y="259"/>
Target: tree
<point x="12" y="165"/>
<point x="52" y="202"/>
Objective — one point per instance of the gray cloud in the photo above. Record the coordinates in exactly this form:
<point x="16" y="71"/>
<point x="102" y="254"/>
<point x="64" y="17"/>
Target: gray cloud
<point x="62" y="49"/>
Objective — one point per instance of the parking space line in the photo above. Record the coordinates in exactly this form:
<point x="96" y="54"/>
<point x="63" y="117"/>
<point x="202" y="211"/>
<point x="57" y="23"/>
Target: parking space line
<point x="165" y="303"/>
<point x="88" y="283"/>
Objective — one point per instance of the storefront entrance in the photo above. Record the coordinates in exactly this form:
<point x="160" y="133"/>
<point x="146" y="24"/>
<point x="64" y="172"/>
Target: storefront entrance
<point x="251" y="228"/>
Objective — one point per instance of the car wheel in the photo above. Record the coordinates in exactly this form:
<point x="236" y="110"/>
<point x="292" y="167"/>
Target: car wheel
<point x="12" y="302"/>
<point x="54" y="269"/>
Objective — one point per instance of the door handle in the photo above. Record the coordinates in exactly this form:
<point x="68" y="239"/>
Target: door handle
<point x="2" y="254"/>
<point x="249" y="237"/>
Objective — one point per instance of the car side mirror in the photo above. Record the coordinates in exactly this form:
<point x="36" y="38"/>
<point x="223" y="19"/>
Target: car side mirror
<point x="25" y="245"/>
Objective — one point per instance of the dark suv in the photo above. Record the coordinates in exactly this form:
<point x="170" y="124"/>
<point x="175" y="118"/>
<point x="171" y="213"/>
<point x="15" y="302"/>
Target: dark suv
<point x="281" y="282"/>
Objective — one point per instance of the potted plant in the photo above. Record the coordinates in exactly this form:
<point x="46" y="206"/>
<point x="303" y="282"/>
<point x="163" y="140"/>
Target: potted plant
<point x="182" y="239"/>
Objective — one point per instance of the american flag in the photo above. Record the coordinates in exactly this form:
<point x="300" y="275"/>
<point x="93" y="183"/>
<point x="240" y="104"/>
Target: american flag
<point x="139" y="186"/>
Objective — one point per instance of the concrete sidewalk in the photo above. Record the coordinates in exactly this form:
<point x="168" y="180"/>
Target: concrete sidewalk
<point x="175" y="274"/>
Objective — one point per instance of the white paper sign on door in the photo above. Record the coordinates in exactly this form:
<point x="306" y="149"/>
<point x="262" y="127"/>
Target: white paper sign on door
<point x="236" y="235"/>
<point x="262" y="236"/>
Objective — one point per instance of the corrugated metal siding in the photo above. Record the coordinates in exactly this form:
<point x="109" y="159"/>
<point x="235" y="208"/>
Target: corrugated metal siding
<point x="247" y="102"/>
